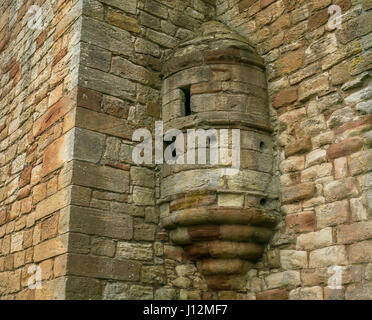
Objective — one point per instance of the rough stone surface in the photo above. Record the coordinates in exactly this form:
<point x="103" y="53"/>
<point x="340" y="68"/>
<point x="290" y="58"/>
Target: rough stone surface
<point x="73" y="201"/>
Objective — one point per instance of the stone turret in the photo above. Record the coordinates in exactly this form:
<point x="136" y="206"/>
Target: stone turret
<point x="223" y="220"/>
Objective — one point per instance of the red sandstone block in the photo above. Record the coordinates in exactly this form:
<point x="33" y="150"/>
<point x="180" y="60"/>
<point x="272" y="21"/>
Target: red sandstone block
<point x="59" y="56"/>
<point x="52" y="115"/>
<point x="41" y="39"/>
<point x="367" y="120"/>
<point x="302" y="222"/>
<point x="345" y="148"/>
<point x="298" y="146"/>
<point x="318" y="19"/>
<point x="299" y="192"/>
<point x="275" y="294"/>
<point x="25" y="177"/>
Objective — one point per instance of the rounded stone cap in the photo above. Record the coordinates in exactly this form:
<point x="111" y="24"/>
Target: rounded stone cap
<point x="214" y="44"/>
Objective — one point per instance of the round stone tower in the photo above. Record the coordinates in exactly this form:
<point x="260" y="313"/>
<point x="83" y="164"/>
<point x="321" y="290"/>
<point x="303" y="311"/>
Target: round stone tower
<point x="220" y="209"/>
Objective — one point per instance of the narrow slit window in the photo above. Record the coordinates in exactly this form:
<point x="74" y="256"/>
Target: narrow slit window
<point x="186" y="91"/>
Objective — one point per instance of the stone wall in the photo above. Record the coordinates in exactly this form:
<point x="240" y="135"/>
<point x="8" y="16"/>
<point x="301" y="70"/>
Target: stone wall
<point x="73" y="202"/>
<point x="37" y="98"/>
<point x="320" y="88"/>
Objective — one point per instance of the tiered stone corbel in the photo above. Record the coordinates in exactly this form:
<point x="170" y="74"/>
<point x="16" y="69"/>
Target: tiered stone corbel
<point x="223" y="221"/>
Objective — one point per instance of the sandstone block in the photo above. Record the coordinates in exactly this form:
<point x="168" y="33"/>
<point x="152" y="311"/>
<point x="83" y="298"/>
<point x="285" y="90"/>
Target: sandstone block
<point x="298" y="146"/>
<point x="285" y="97"/>
<point x="341" y="189"/>
<point x="116" y="291"/>
<point x="143" y="196"/>
<point x="275" y="294"/>
<point x="313" y="293"/>
<point x="153" y="275"/>
<point x="359" y="291"/>
<point x="100" y="177"/>
<point x="313" y="86"/>
<point x="134" y="251"/>
<point x="105" y="36"/>
<point x="361" y="252"/>
<point x="302" y="222"/>
<point x="281" y="279"/>
<point x="316" y="157"/>
<point x="230" y="200"/>
<point x="299" y="192"/>
<point x="325" y="257"/>
<point x="103" y="267"/>
<point x="344" y="148"/>
<point x="293" y="259"/>
<point x="51" y="248"/>
<point x="354" y="232"/>
<point x="53" y="203"/>
<point x="137" y="292"/>
<point x="332" y="214"/>
<point x="100" y="223"/>
<point x="315" y="240"/>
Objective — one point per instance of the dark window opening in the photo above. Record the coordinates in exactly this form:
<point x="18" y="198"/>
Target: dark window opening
<point x="262" y="201"/>
<point x="187" y="93"/>
<point x="262" y="145"/>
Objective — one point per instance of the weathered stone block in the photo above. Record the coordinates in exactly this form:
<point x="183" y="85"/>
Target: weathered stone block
<point x="100" y="223"/>
<point x="53" y="203"/>
<point x="57" y="153"/>
<point x="344" y="148"/>
<point x="354" y="232"/>
<point x="134" y="251"/>
<point x="275" y="294"/>
<point x="105" y="36"/>
<point x="360" y="291"/>
<point x="332" y="214"/>
<point x="95" y="57"/>
<point x="78" y="288"/>
<point x="300" y="192"/>
<point x="153" y="275"/>
<point x="282" y="279"/>
<point x="100" y="177"/>
<point x="285" y="97"/>
<point x="301" y="145"/>
<point x="51" y="248"/>
<point x="341" y="189"/>
<point x="325" y="257"/>
<point x="137" y="292"/>
<point x="292" y="259"/>
<point x="361" y="252"/>
<point x="103" y="267"/>
<point x="315" y="240"/>
<point x="316" y="157"/>
<point x="143" y="196"/>
<point x="360" y="162"/>
<point x="313" y="293"/>
<point x="230" y="200"/>
<point x="116" y="291"/>
<point x="302" y="222"/>
<point x="313" y="86"/>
